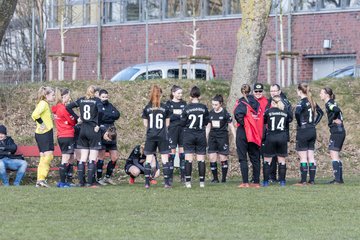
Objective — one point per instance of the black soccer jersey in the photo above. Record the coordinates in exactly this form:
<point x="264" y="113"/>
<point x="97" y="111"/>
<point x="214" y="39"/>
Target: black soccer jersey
<point x="219" y="122"/>
<point x="89" y="109"/>
<point x="304" y="114"/>
<point x="195" y="117"/>
<point x="333" y="112"/>
<point x="175" y="109"/>
<point x="156" y="117"/>
<point x="276" y="120"/>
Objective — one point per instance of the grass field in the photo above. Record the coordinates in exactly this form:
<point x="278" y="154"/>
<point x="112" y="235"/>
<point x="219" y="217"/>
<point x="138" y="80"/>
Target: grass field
<point x="219" y="211"/>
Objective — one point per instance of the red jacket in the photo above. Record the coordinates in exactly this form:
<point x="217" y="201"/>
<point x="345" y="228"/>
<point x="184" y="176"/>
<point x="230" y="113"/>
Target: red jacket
<point x="252" y="124"/>
<point x="264" y="102"/>
<point x="64" y="121"/>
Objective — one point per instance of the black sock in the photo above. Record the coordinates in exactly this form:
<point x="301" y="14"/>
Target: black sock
<point x="147" y="173"/>
<point x="171" y="165"/>
<point x="80" y="171"/>
<point x="166" y="172"/>
<point x="312" y="172"/>
<point x="282" y="172"/>
<point x="182" y="165"/>
<point x="304" y="171"/>
<point x="69" y="172"/>
<point x="62" y="172"/>
<point x="266" y="171"/>
<point x="188" y="171"/>
<point x="110" y="168"/>
<point x="244" y="168"/>
<point x="91" y="172"/>
<point x="99" y="168"/>
<point x="335" y="165"/>
<point x="213" y="167"/>
<point x="341" y="171"/>
<point x="224" y="170"/>
<point x="201" y="166"/>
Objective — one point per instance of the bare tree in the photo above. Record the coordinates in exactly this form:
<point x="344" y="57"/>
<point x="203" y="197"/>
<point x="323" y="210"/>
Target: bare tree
<point x="254" y="24"/>
<point x="7" y="9"/>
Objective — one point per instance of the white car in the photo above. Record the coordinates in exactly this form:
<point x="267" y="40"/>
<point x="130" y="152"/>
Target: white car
<point x="158" y="70"/>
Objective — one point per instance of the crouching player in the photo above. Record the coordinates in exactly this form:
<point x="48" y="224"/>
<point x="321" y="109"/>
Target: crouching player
<point x="135" y="165"/>
<point x="276" y="118"/>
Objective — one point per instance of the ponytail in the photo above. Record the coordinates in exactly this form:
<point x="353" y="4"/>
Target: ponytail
<point x="305" y="89"/>
<point x="245" y="91"/>
<point x="277" y="103"/>
<point x="42" y="92"/>
<point x="329" y="92"/>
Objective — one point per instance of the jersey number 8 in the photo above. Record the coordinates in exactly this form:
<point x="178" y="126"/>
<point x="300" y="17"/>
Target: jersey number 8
<point x="87" y="114"/>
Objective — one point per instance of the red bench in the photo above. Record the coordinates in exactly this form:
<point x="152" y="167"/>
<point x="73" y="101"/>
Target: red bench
<point x="33" y="151"/>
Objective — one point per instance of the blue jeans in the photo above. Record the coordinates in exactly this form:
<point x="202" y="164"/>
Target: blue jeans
<point x="15" y="165"/>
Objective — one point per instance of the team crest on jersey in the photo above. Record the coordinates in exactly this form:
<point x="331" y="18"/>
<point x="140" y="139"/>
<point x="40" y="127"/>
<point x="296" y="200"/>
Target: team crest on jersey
<point x="221" y="117"/>
<point x="225" y="146"/>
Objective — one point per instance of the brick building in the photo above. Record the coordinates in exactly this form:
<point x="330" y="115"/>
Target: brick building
<point x="325" y="33"/>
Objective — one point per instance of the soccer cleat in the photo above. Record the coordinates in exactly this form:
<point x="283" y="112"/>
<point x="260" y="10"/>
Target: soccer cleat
<point x="265" y="183"/>
<point x="244" y="185"/>
<point x="215" y="181"/>
<point x="282" y="183"/>
<point x="254" y="185"/>
<point x="223" y="180"/>
<point x="182" y="180"/>
<point x="188" y="184"/>
<point x="167" y="186"/>
<point x="62" y="185"/>
<point x="42" y="183"/>
<point x="153" y="182"/>
<point x="202" y="184"/>
<point x="101" y="182"/>
<point x="109" y="181"/>
<point x="335" y="182"/>
<point x="311" y="182"/>
<point x="88" y="185"/>
<point x="147" y="186"/>
<point x="131" y="180"/>
<point x="300" y="184"/>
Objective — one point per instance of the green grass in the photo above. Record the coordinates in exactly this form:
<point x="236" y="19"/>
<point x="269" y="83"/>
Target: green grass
<point x="217" y="212"/>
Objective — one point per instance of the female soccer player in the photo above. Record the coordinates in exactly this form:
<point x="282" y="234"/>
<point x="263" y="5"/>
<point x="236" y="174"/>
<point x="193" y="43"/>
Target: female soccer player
<point x="156" y="118"/>
<point x="248" y="137"/>
<point x="218" y="137"/>
<point x="308" y="114"/>
<point x="194" y="118"/>
<point x="89" y="137"/>
<point x="65" y="123"/>
<point x="44" y="133"/>
<point x="134" y="165"/>
<point x="337" y="132"/>
<point x="176" y="106"/>
<point x="109" y="114"/>
<point x="276" y="119"/>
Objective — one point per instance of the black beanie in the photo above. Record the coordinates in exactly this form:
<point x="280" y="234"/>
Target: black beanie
<point x="3" y="129"/>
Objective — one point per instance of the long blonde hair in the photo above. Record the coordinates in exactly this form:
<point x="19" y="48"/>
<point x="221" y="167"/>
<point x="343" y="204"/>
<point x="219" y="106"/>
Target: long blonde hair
<point x="59" y="93"/>
<point x="42" y="92"/>
<point x="90" y="92"/>
<point x="277" y="103"/>
<point x="305" y="89"/>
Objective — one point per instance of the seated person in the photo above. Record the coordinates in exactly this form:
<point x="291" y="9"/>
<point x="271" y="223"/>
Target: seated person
<point x="134" y="165"/>
<point x="8" y="160"/>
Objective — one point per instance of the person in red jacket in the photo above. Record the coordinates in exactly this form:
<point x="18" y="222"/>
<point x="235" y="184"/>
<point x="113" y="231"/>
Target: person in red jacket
<point x="65" y="123"/>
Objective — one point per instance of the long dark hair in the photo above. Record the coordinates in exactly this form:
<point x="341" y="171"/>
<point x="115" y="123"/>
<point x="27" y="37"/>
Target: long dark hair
<point x="174" y="88"/>
<point x="245" y="90"/>
<point x="329" y="92"/>
<point x="305" y="89"/>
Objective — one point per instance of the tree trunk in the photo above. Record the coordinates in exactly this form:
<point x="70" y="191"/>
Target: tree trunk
<point x="7" y="9"/>
<point x="255" y="14"/>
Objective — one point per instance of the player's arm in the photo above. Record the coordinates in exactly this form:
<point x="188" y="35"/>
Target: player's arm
<point x="319" y="114"/>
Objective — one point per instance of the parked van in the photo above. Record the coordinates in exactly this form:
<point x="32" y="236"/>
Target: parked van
<point x="158" y="70"/>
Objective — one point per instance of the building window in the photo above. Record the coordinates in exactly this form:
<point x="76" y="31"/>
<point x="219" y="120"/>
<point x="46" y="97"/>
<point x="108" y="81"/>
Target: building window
<point x="193" y="8"/>
<point x="306" y="5"/>
<point x="352" y="3"/>
<point x="233" y="7"/>
<point x="154" y="9"/>
<point x="91" y="12"/>
<point x="214" y="7"/>
<point x="133" y="10"/>
<point x="172" y="8"/>
<point x="330" y="4"/>
<point x="113" y="11"/>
